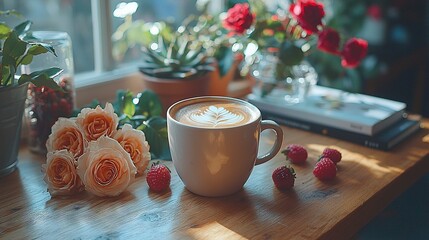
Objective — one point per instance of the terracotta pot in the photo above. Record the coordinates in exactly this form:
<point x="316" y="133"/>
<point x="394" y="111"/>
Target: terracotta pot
<point x="172" y="90"/>
<point x="219" y="84"/>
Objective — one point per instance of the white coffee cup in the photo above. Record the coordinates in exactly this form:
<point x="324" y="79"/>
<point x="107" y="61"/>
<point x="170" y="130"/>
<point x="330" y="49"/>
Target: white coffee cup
<point x="214" y="143"/>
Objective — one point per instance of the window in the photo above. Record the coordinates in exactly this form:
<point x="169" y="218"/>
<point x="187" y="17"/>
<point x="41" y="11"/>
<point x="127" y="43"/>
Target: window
<point x="91" y="25"/>
<point x="73" y="17"/>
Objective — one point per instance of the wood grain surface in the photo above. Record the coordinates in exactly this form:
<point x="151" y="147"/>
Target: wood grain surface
<point x="366" y="182"/>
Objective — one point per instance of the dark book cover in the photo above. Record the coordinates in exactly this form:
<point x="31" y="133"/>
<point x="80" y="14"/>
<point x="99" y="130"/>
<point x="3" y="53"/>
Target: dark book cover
<point x="384" y="140"/>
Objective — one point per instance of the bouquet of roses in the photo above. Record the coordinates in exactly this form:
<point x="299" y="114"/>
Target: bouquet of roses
<point x="89" y="152"/>
<point x="292" y="32"/>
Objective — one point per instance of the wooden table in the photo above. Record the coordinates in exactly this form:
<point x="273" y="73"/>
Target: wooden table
<point x="367" y="181"/>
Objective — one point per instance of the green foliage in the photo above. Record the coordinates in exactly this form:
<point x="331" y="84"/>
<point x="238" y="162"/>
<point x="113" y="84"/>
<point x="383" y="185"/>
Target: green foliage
<point x="134" y="34"/>
<point x="179" y="58"/>
<point x="143" y="112"/>
<point x="16" y="52"/>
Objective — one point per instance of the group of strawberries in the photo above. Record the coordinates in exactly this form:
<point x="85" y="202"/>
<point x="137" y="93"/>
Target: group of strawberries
<point x="325" y="168"/>
<point x="158" y="176"/>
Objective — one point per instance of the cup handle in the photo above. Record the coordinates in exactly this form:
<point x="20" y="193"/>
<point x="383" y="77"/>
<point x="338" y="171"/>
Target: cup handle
<point x="268" y="124"/>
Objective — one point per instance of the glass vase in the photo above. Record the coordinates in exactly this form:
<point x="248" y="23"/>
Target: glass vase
<point x="44" y="106"/>
<point x="290" y="84"/>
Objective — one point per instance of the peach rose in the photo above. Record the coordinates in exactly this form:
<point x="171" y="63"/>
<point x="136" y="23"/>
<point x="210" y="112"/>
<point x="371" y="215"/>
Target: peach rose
<point x="66" y="135"/>
<point x="106" y="168"/>
<point x="134" y="142"/>
<point x="60" y="173"/>
<point x="97" y="122"/>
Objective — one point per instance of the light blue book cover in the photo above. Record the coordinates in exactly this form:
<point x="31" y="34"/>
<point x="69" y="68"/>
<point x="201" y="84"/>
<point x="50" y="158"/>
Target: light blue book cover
<point x="335" y="108"/>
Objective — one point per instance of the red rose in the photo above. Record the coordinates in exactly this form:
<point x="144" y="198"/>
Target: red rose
<point x="308" y="13"/>
<point x="238" y="18"/>
<point x="354" y="51"/>
<point x="329" y="41"/>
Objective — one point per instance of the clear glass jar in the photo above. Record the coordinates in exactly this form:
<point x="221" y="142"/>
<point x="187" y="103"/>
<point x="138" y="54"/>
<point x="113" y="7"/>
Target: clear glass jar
<point x="288" y="83"/>
<point x="44" y="106"/>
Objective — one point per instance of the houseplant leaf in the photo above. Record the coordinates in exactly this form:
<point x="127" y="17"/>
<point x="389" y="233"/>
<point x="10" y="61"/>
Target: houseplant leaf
<point x="155" y="130"/>
<point x="149" y="104"/>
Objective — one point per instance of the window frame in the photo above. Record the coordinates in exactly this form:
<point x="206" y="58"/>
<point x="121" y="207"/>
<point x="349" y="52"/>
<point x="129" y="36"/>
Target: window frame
<point x="105" y="70"/>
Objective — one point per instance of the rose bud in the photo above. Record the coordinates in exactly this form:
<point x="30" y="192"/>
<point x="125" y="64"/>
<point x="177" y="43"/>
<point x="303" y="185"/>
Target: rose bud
<point x="308" y="13"/>
<point x="354" y="51"/>
<point x="238" y="18"/>
<point x="329" y="41"/>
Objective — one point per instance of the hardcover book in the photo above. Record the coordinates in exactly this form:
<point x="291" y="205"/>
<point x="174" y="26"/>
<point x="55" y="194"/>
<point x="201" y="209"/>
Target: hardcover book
<point x="384" y="140"/>
<point x="330" y="107"/>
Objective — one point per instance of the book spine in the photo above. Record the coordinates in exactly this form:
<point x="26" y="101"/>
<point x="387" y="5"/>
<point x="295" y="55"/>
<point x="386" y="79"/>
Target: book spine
<point x="328" y="131"/>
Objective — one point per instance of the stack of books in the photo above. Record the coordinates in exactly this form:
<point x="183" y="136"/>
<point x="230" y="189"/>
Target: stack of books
<point x="370" y="121"/>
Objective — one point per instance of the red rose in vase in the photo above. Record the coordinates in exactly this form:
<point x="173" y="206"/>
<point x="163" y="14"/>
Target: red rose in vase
<point x="239" y="18"/>
<point x="354" y="51"/>
<point x="308" y="13"/>
<point x="329" y="41"/>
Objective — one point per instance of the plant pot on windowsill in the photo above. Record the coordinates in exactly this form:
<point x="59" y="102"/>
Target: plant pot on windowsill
<point x="177" y="68"/>
<point x="171" y="90"/>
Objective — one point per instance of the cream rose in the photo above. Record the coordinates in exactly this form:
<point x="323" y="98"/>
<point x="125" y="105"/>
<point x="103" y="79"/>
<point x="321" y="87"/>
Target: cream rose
<point x="106" y="168"/>
<point x="134" y="142"/>
<point x="66" y="135"/>
<point x="60" y="173"/>
<point x="97" y="122"/>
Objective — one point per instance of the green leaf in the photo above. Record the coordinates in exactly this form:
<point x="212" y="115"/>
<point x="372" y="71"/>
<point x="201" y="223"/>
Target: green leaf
<point x="128" y="107"/>
<point x="6" y="75"/>
<point x="290" y="54"/>
<point x="149" y="104"/>
<point x="13" y="46"/>
<point x="40" y="80"/>
<point x="22" y="28"/>
<point x="39" y="48"/>
<point x="225" y="58"/>
<point x="4" y="30"/>
<point x="27" y="59"/>
<point x="50" y="72"/>
<point x="155" y="130"/>
<point x="117" y="105"/>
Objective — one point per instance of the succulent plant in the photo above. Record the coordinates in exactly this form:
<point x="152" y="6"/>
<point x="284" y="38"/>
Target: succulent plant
<point x="179" y="58"/>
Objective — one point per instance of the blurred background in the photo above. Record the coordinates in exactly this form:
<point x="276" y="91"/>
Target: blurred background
<point x="397" y="31"/>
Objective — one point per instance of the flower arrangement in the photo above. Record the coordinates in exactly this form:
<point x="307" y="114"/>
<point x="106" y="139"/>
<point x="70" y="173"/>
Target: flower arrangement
<point x="89" y="153"/>
<point x="292" y="33"/>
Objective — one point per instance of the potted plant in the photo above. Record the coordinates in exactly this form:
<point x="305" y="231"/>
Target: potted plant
<point x="177" y="68"/>
<point x="14" y="53"/>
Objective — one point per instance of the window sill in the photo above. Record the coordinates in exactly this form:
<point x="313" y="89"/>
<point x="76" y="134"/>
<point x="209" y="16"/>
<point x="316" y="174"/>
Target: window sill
<point x="103" y="87"/>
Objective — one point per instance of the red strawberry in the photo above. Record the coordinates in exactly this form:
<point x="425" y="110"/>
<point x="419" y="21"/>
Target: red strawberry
<point x="332" y="154"/>
<point x="295" y="153"/>
<point x="284" y="177"/>
<point x="325" y="169"/>
<point x="158" y="177"/>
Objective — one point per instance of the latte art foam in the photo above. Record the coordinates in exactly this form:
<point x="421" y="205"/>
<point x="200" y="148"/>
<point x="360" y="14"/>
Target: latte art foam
<point x="215" y="114"/>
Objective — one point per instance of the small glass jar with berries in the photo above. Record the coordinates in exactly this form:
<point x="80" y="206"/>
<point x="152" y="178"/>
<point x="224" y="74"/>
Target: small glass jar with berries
<point x="44" y="106"/>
